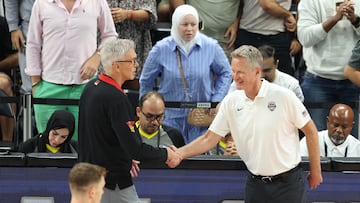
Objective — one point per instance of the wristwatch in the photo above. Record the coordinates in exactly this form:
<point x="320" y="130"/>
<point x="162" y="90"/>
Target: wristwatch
<point x="356" y="22"/>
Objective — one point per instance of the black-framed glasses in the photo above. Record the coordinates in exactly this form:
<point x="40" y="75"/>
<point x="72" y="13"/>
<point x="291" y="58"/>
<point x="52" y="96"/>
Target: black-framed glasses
<point x="151" y="117"/>
<point x="266" y="70"/>
<point x="133" y="61"/>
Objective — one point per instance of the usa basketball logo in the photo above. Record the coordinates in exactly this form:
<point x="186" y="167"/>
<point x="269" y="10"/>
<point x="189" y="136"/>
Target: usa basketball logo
<point x="271" y="106"/>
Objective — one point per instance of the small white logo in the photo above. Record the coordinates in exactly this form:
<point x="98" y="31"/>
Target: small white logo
<point x="271" y="106"/>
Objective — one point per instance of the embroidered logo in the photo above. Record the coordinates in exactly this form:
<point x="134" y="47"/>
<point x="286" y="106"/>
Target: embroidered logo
<point x="305" y="113"/>
<point x="271" y="106"/>
<point x="131" y="125"/>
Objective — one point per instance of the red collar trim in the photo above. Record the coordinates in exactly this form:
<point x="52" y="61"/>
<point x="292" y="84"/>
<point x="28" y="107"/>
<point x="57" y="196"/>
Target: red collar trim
<point x="110" y="81"/>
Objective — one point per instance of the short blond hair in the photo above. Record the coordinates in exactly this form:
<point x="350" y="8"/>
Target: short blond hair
<point x="82" y="175"/>
<point x="251" y="53"/>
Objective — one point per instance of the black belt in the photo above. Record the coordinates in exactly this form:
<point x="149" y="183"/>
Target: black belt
<point x="269" y="179"/>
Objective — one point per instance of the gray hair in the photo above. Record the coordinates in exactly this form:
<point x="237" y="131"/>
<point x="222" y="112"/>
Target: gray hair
<point x="252" y="54"/>
<point x="115" y="50"/>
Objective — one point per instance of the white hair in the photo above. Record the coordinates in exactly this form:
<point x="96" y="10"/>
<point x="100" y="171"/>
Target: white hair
<point x="115" y="50"/>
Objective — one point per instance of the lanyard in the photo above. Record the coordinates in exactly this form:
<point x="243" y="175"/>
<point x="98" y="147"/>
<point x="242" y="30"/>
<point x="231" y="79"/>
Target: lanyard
<point x="325" y="145"/>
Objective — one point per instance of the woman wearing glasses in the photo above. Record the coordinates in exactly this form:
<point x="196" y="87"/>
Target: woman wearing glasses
<point x="57" y="136"/>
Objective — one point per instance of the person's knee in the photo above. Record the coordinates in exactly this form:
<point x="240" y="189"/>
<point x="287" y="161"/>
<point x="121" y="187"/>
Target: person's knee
<point x="6" y="84"/>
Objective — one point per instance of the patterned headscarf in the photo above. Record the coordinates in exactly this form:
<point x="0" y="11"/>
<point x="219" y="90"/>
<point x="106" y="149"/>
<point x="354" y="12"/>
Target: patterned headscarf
<point x="179" y="13"/>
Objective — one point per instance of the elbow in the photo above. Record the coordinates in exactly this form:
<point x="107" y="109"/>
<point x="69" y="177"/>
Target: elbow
<point x="264" y="4"/>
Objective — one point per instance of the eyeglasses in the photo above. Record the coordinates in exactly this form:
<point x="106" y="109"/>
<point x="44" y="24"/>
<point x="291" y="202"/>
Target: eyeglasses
<point x="150" y="117"/>
<point x="133" y="61"/>
<point x="266" y="70"/>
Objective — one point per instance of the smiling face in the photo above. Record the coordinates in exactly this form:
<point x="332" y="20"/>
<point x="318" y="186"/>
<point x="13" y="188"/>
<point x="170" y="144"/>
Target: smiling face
<point x="243" y="74"/>
<point x="188" y="27"/>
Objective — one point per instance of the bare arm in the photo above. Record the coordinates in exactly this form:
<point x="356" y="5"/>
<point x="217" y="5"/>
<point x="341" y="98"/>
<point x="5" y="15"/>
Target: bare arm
<point x="175" y="3"/>
<point x="352" y="74"/>
<point x="200" y="145"/>
<point x="273" y="8"/>
<point x="17" y="39"/>
<point x="90" y="67"/>
<point x="11" y="61"/>
<point x="35" y="79"/>
<point x="312" y="142"/>
<point x="333" y="20"/>
<point x="120" y="14"/>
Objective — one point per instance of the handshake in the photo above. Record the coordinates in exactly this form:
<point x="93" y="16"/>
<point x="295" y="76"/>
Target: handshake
<point x="173" y="160"/>
<point x="174" y="157"/>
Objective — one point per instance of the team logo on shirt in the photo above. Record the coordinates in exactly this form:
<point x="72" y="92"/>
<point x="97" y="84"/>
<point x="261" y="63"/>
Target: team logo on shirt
<point x="271" y="106"/>
<point x="131" y="125"/>
<point x="305" y="113"/>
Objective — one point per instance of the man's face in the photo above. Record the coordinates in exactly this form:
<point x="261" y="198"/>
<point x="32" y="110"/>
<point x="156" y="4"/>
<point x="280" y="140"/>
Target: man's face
<point x="151" y="114"/>
<point x="339" y="125"/>
<point x="244" y="76"/>
<point x="268" y="68"/>
<point x="127" y="66"/>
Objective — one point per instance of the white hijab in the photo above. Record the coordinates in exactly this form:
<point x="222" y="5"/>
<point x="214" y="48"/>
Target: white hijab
<point x="179" y="13"/>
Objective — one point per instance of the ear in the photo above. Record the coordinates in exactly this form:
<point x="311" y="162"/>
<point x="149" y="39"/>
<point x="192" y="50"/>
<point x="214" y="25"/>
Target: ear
<point x="258" y="71"/>
<point x="91" y="192"/>
<point x="327" y="120"/>
<point x="138" y="112"/>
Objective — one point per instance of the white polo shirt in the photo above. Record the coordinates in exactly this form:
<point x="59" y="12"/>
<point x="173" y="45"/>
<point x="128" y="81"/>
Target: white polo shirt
<point x="350" y="148"/>
<point x="265" y="130"/>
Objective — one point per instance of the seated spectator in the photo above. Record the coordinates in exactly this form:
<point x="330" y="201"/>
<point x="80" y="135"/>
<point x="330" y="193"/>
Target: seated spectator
<point x="151" y="112"/>
<point x="57" y="136"/>
<point x="86" y="183"/>
<point x="336" y="141"/>
<point x="7" y="119"/>
<point x="8" y="61"/>
<point x="270" y="72"/>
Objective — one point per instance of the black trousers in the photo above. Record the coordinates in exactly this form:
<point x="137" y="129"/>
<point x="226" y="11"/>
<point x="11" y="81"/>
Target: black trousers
<point x="281" y="43"/>
<point x="286" y="189"/>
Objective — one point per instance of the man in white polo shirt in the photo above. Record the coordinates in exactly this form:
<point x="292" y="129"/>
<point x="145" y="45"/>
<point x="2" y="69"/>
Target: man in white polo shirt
<point x="264" y="119"/>
<point x="336" y="141"/>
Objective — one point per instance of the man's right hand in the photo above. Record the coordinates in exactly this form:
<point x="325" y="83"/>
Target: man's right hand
<point x="174" y="158"/>
<point x="17" y="39"/>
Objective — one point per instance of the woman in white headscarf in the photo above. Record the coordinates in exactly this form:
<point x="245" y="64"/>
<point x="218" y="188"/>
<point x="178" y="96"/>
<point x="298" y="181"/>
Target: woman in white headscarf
<point x="201" y="58"/>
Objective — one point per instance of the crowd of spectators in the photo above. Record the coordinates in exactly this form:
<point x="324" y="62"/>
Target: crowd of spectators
<point x="29" y="45"/>
<point x="240" y="54"/>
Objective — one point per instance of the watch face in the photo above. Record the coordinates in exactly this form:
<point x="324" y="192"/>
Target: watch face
<point x="357" y="21"/>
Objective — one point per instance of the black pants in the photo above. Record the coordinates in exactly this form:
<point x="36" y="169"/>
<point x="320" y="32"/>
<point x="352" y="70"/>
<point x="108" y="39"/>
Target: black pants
<point x="286" y="189"/>
<point x="281" y="43"/>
